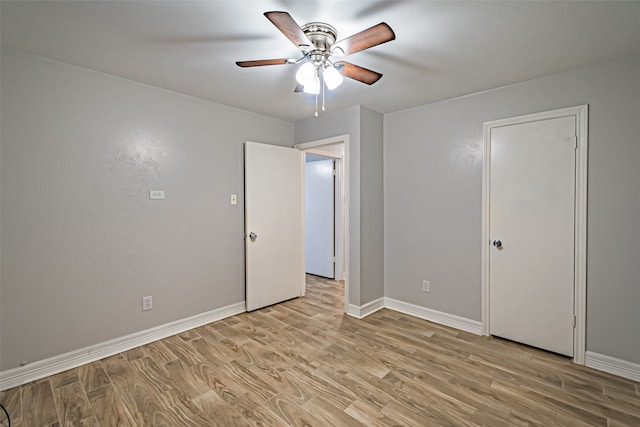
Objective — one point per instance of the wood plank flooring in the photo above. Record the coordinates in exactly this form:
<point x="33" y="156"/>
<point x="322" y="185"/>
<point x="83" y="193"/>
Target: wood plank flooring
<point x="305" y="363"/>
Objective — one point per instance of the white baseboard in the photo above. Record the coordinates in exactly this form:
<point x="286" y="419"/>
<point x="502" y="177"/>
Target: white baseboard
<point x="353" y="311"/>
<point x="53" y="365"/>
<point x="601" y="362"/>
<point x="414" y="310"/>
<point x="614" y="366"/>
<point x="44" y="368"/>
<point x="435" y="316"/>
<point x="365" y="310"/>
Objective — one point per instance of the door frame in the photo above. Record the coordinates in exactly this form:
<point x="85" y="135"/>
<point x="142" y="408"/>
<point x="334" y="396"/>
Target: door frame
<point x="315" y="147"/>
<point x="580" y="113"/>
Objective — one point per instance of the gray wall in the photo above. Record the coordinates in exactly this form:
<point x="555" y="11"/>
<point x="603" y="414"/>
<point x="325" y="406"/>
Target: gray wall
<point x="331" y="124"/>
<point x="81" y="241"/>
<point x="371" y="206"/>
<point x="364" y="127"/>
<point x="433" y="190"/>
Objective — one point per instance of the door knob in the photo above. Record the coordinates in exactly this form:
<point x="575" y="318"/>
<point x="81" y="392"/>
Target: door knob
<point x="497" y="244"/>
<point x="253" y="236"/>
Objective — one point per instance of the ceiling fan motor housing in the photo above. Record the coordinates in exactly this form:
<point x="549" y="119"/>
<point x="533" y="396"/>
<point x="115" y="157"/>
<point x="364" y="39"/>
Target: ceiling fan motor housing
<point x="322" y="35"/>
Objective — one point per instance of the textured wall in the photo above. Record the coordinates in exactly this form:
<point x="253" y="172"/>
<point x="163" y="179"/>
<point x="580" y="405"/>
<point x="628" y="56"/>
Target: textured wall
<point x="433" y="191"/>
<point x="328" y="125"/>
<point x="371" y="206"/>
<point x="366" y="201"/>
<point x="81" y="241"/>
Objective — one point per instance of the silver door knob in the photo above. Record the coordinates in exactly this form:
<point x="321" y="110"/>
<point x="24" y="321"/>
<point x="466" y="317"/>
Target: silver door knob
<point x="497" y="244"/>
<point x="253" y="236"/>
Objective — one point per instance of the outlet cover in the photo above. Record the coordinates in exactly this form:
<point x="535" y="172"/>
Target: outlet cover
<point x="426" y="286"/>
<point x="147" y="303"/>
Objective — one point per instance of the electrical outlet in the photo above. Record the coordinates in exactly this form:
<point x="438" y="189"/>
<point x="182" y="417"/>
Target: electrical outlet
<point x="426" y="286"/>
<point x="147" y="303"/>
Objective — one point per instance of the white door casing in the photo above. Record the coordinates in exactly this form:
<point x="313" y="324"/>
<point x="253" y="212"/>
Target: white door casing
<point x="319" y="221"/>
<point x="535" y="283"/>
<point x="342" y="202"/>
<point x="274" y="212"/>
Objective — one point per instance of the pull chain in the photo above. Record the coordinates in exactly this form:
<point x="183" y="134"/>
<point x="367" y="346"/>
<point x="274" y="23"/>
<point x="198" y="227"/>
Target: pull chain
<point x="322" y="83"/>
<point x="316" y="113"/>
<point x="318" y="79"/>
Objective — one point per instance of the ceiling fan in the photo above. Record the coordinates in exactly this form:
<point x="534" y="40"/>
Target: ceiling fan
<point x="317" y="42"/>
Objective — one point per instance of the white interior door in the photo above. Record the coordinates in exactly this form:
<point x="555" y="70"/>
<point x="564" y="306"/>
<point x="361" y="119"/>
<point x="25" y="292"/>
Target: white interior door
<point x="274" y="213"/>
<point x="531" y="228"/>
<point x="319" y="212"/>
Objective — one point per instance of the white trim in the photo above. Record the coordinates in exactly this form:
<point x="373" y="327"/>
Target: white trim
<point x="345" y="188"/>
<point x="365" y="310"/>
<point x="353" y="311"/>
<point x="303" y="231"/>
<point x="339" y="218"/>
<point x="614" y="366"/>
<point x="303" y="146"/>
<point x="451" y="320"/>
<point x="580" y="289"/>
<point x="601" y="362"/>
<point x="320" y="152"/>
<point x="53" y="365"/>
<point x="446" y="319"/>
<point x="580" y="285"/>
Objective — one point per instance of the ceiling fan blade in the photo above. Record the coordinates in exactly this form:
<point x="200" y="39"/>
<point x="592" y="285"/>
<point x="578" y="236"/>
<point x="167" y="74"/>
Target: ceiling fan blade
<point x="357" y="72"/>
<point x="261" y="62"/>
<point x="365" y="39"/>
<point x="285" y="23"/>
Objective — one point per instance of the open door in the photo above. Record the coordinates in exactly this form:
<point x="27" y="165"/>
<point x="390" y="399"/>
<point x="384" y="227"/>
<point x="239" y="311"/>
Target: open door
<point x="274" y="224"/>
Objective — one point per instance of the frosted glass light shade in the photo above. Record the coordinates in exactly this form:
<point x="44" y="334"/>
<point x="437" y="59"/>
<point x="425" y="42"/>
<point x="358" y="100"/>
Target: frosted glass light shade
<point x="332" y="77"/>
<point x="313" y="87"/>
<point x="306" y="74"/>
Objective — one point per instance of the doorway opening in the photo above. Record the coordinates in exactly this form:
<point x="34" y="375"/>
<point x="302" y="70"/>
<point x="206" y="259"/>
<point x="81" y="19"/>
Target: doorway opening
<point x="337" y="149"/>
<point x="322" y="251"/>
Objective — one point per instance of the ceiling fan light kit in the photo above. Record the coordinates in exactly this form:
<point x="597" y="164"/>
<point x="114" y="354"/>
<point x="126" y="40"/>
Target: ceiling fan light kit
<point x="317" y="42"/>
<point x="332" y="77"/>
<point x="306" y="74"/>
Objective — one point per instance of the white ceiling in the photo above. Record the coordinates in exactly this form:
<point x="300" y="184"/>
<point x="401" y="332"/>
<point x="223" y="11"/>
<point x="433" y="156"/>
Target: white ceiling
<point x="442" y="49"/>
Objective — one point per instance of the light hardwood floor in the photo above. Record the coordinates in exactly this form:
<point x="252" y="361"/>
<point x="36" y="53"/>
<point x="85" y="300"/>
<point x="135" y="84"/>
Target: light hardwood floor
<point x="305" y="363"/>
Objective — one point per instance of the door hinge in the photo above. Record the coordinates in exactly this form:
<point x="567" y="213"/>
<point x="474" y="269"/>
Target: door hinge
<point x="333" y="259"/>
<point x="574" y="321"/>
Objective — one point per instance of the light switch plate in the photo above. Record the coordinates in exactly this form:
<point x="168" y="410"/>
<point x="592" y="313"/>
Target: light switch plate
<point x="234" y="199"/>
<point x="156" y="195"/>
